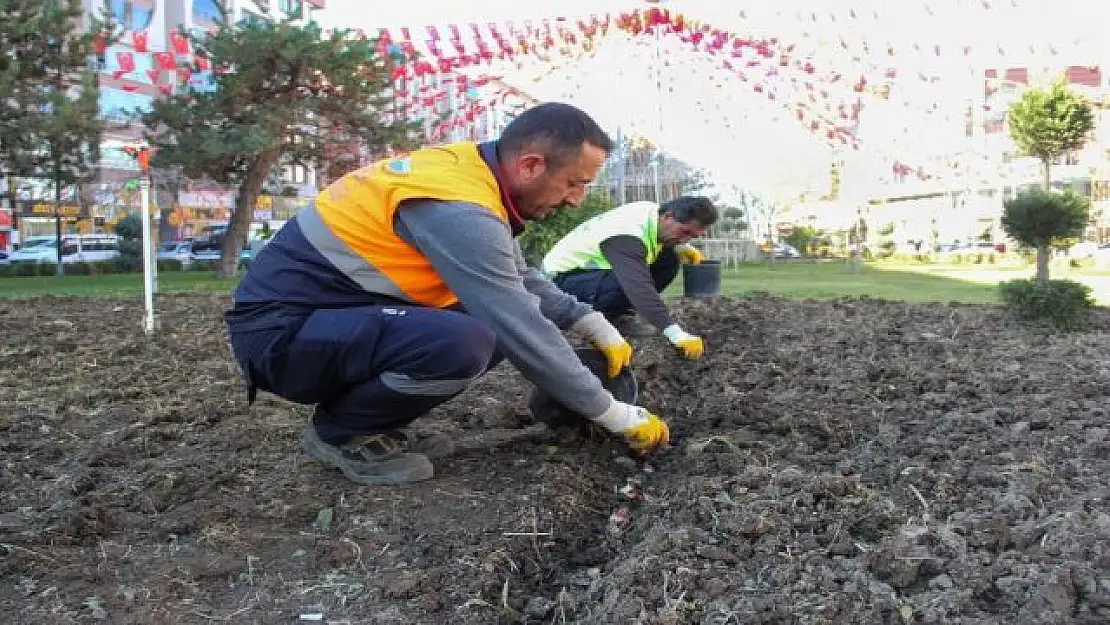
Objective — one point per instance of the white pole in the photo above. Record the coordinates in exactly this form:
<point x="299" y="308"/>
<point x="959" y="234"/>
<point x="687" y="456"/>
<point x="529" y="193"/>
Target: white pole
<point x="658" y="160"/>
<point x="148" y="258"/>
<point x="154" y="248"/>
<point x="153" y="251"/>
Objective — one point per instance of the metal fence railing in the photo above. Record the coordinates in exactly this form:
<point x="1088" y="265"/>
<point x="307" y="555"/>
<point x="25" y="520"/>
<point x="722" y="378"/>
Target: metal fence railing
<point x="731" y="251"/>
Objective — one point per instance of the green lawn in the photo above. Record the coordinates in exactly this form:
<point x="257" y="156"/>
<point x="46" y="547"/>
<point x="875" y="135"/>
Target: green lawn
<point x="910" y="282"/>
<point x="112" y="285"/>
<point x="838" y="279"/>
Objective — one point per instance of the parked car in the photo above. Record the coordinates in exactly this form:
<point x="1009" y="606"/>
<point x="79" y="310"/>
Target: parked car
<point x="180" y="251"/>
<point x="210" y="250"/>
<point x="785" y="250"/>
<point x="76" y="248"/>
<point x="32" y="249"/>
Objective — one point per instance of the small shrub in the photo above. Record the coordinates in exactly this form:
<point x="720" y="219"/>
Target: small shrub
<point x="1063" y="304"/>
<point x="77" y="269"/>
<point x="170" y="264"/>
<point x="204" y="265"/>
<point x="27" y="270"/>
<point x="130" y="257"/>
<point x="102" y="268"/>
<point x="541" y="236"/>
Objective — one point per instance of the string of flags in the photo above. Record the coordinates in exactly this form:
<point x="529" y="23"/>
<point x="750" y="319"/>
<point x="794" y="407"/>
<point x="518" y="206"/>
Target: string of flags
<point x="826" y="71"/>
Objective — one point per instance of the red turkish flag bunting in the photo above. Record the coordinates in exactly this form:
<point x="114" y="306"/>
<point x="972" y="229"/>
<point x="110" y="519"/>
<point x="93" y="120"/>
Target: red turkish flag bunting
<point x="126" y="61"/>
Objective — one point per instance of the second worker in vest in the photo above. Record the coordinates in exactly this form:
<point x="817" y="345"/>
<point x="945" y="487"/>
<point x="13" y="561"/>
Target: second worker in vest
<point x="620" y="261"/>
<point x="403" y="282"/>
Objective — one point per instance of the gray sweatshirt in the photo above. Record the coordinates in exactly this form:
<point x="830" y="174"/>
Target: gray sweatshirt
<point x="478" y="258"/>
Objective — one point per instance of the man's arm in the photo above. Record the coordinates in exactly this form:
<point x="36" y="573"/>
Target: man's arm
<point x="474" y="254"/>
<point x="628" y="258"/>
<point x="562" y="308"/>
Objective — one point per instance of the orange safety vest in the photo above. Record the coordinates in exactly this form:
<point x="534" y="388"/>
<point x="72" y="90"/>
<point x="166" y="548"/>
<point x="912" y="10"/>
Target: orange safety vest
<point x="359" y="209"/>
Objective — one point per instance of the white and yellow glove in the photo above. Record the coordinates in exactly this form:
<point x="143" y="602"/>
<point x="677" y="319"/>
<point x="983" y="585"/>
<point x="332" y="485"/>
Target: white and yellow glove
<point x="689" y="254"/>
<point x="597" y="330"/>
<point x="691" y="346"/>
<point x="643" y="431"/>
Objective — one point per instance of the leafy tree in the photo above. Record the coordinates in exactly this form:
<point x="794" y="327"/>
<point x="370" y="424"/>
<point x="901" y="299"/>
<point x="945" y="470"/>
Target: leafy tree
<point x="50" y="126"/>
<point x="1049" y="124"/>
<point x="129" y="227"/>
<point x="1039" y="218"/>
<point x="281" y="93"/>
<point x="802" y="238"/>
<point x="541" y="236"/>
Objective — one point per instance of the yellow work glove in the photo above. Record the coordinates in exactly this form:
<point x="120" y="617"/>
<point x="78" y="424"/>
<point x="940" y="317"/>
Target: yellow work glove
<point x="597" y="330"/>
<point x="643" y="431"/>
<point x="690" y="255"/>
<point x="691" y="346"/>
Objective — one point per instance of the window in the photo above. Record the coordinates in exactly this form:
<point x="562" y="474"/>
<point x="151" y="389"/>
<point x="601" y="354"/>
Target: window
<point x="292" y="8"/>
<point x="69" y="248"/>
<point x="252" y="18"/>
<point x="132" y="14"/>
<point x="296" y="174"/>
<point x="206" y="15"/>
<point x="1101" y="191"/>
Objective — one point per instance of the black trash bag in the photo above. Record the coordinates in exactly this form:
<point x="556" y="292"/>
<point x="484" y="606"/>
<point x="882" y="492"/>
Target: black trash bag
<point x="545" y="409"/>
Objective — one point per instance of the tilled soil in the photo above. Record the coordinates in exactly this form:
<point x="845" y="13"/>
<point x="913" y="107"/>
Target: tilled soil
<point x="832" y="462"/>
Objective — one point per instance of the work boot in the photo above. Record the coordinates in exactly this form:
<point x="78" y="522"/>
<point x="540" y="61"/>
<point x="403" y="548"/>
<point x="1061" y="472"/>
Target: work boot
<point x="633" y="326"/>
<point x="376" y="460"/>
<point x="434" y="446"/>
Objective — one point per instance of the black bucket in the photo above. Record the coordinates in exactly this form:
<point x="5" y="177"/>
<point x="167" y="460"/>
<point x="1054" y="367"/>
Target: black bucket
<point x="702" y="279"/>
<point x="623" y="387"/>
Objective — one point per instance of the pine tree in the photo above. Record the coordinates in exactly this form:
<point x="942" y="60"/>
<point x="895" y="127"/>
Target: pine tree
<point x="281" y="93"/>
<point x="50" y="127"/>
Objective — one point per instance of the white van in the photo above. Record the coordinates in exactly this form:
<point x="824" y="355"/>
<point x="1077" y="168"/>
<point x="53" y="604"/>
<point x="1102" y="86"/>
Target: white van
<point x="76" y="248"/>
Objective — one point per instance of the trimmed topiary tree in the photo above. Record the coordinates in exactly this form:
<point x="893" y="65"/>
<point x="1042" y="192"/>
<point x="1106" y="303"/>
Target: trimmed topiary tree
<point x="1039" y="219"/>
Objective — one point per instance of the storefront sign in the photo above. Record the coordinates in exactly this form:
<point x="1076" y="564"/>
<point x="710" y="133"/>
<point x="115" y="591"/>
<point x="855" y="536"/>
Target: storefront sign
<point x="207" y="199"/>
<point x="47" y="209"/>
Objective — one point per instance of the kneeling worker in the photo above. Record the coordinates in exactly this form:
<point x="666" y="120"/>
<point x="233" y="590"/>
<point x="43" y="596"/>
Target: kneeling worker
<point x="403" y="282"/>
<point x="621" y="260"/>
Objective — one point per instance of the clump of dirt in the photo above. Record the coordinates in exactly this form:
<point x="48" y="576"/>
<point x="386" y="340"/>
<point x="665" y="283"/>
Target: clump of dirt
<point x="853" y="461"/>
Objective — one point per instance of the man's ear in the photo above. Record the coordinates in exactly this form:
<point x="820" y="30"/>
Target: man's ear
<point x="530" y="166"/>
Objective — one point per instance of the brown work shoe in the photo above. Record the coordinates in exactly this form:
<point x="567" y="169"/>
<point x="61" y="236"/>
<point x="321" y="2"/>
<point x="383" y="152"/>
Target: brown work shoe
<point x="377" y="460"/>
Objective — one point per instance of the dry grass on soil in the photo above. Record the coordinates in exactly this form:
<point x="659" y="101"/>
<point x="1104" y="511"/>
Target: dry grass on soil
<point x="837" y="462"/>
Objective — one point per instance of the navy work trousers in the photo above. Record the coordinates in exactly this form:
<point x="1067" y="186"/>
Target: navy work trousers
<point x="600" y="288"/>
<point x="368" y="369"/>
